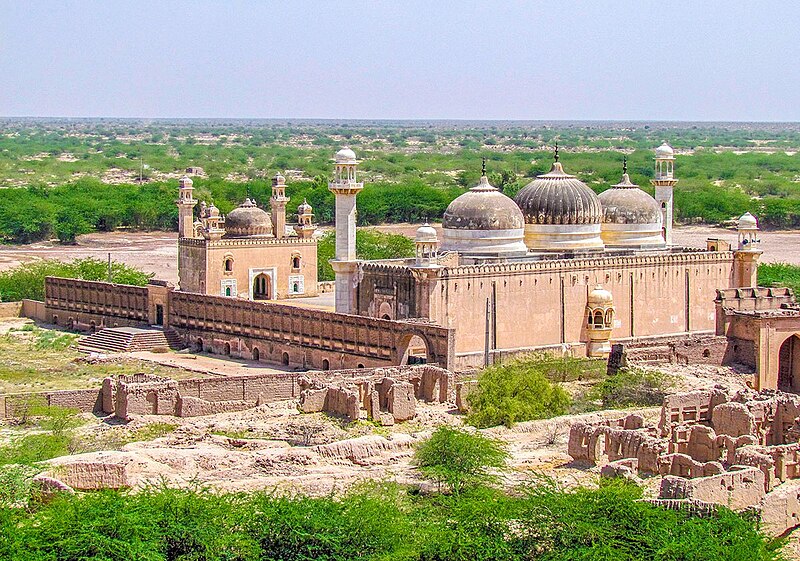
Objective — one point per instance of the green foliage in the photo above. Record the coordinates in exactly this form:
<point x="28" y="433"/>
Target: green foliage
<point x="376" y="522"/>
<point x="459" y="458"/>
<point x="15" y="487"/>
<point x="633" y="387"/>
<point x="779" y="274"/>
<point x="370" y="244"/>
<point x="27" y="280"/>
<point x="55" y="439"/>
<point x="518" y="391"/>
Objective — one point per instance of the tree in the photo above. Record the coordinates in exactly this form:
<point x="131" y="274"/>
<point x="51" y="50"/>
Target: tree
<point x="459" y="458"/>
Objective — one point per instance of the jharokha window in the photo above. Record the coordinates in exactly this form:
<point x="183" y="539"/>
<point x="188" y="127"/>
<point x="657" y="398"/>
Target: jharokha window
<point x="296" y="262"/>
<point x="228" y="265"/>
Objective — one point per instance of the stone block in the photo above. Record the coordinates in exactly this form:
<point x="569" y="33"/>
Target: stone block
<point x="401" y="401"/>
<point x="733" y="419"/>
<point x="780" y="509"/>
<point x="313" y="400"/>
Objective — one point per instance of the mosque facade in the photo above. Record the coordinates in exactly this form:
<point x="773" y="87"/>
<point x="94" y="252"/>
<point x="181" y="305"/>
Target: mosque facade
<point x="511" y="276"/>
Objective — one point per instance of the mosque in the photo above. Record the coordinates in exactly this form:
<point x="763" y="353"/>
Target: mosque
<point x="556" y="267"/>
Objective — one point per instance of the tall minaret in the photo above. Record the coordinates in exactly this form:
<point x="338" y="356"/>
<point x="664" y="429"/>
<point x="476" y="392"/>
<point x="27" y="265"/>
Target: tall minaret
<point x="664" y="182"/>
<point x="278" y="205"/>
<point x="345" y="188"/>
<point x="186" y="203"/>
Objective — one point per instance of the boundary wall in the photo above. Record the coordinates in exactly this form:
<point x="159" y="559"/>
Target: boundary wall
<point x="278" y="333"/>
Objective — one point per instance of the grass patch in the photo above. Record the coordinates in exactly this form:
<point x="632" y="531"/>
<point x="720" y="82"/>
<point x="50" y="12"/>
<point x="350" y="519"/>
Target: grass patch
<point x="38" y="359"/>
<point x="779" y="274"/>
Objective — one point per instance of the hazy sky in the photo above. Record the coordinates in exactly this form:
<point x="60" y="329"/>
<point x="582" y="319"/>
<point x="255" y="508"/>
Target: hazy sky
<point x="668" y="60"/>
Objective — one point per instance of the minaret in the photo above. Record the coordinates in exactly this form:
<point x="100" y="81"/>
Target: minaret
<point x="186" y="203"/>
<point x="745" y="258"/>
<point x="278" y="205"/>
<point x="305" y="221"/>
<point x="345" y="188"/>
<point x="664" y="182"/>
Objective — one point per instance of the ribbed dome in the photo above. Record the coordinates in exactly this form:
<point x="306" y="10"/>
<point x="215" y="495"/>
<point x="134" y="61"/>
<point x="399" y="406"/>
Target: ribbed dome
<point x="483" y="208"/>
<point x="625" y="203"/>
<point x="247" y="220"/>
<point x="558" y="198"/>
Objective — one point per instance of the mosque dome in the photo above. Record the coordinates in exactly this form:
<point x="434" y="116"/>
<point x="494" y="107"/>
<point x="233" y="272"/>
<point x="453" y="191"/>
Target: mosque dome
<point x="631" y="217"/>
<point x="248" y="220"/>
<point x="561" y="212"/>
<point x="483" y="208"/>
<point x="665" y="151"/>
<point x="558" y="198"/>
<point x="626" y="203"/>
<point x="483" y="221"/>
<point x="747" y="222"/>
<point x="345" y="156"/>
<point x="426" y="234"/>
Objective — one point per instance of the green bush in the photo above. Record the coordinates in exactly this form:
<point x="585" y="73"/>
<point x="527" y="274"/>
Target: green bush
<point x="780" y="274"/>
<point x="514" y="392"/>
<point x="633" y="387"/>
<point x="459" y="458"/>
<point x="370" y="244"/>
<point x="379" y="522"/>
<point x="27" y="280"/>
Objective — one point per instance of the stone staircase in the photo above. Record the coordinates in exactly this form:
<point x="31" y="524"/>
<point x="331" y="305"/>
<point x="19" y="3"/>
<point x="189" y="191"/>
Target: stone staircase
<point x="129" y="339"/>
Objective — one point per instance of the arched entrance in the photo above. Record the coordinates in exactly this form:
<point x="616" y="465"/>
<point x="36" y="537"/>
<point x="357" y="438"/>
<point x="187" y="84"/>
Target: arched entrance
<point x="416" y="351"/>
<point x="256" y="354"/>
<point x="789" y="365"/>
<point x="262" y="287"/>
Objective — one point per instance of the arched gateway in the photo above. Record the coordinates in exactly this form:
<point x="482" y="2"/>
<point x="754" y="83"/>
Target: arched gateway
<point x="789" y="365"/>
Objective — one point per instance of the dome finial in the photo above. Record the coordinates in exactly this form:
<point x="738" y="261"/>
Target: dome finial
<point x="483" y="166"/>
<point x="555" y="156"/>
<point x="624" y="164"/>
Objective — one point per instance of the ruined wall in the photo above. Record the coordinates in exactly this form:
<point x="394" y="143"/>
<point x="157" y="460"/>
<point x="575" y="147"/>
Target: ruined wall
<point x="86" y="401"/>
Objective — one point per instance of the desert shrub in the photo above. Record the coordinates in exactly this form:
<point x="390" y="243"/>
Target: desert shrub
<point x="781" y="274"/>
<point x="514" y="392"/>
<point x="54" y="340"/>
<point x="633" y="387"/>
<point x="27" y="280"/>
<point x="458" y="458"/>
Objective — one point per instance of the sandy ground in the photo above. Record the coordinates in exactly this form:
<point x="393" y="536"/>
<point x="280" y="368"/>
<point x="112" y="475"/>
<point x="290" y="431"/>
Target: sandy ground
<point x="156" y="252"/>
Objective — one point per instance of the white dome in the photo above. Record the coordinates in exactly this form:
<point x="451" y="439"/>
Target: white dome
<point x="345" y="156"/>
<point x="600" y="297"/>
<point x="747" y="222"/>
<point x="665" y="151"/>
<point x="426" y="234"/>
